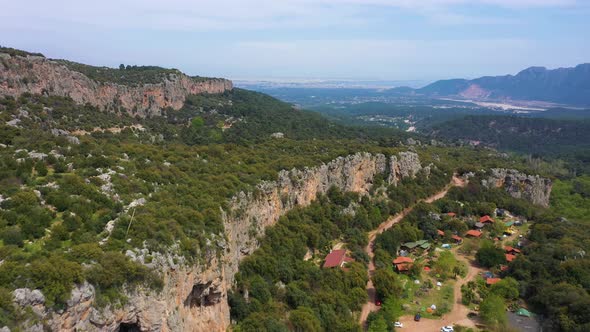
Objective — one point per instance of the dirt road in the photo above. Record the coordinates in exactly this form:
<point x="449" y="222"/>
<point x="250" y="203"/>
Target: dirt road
<point x="370" y="306"/>
<point x="458" y="315"/>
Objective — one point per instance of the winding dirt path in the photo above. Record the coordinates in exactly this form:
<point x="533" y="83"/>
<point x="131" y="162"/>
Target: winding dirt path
<point x="370" y="306"/>
<point x="458" y="315"/>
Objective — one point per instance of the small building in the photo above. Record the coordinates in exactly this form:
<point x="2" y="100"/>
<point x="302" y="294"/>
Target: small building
<point x="510" y="257"/>
<point x="479" y="225"/>
<point x="509" y="223"/>
<point x="410" y="246"/>
<point x="491" y="281"/>
<point x="511" y="250"/>
<point x="457" y="239"/>
<point x="473" y="233"/>
<point x="337" y="258"/>
<point x="451" y="214"/>
<point x="486" y="219"/>
<point x="440" y="232"/>
<point x="403" y="264"/>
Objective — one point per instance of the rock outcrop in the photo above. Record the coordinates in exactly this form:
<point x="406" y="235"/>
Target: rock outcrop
<point x="39" y="75"/>
<point x="408" y="165"/>
<point x="194" y="296"/>
<point x="530" y="187"/>
<point x="250" y="213"/>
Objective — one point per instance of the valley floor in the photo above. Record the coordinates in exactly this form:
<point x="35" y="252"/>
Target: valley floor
<point x="371" y="305"/>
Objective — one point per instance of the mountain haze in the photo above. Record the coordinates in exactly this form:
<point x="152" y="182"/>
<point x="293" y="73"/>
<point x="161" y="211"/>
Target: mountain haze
<point x="562" y="85"/>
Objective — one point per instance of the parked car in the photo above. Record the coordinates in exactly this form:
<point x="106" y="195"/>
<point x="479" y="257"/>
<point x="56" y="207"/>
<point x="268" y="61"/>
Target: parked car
<point x="417" y="317"/>
<point x="398" y="324"/>
<point x="447" y="329"/>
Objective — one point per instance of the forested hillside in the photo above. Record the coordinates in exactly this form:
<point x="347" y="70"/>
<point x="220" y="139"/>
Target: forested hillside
<point x="116" y="219"/>
<point x="544" y="138"/>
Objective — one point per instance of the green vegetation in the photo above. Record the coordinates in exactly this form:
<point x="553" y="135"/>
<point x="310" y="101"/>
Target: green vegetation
<point x="552" y="273"/>
<point x="160" y="184"/>
<point x="489" y="255"/>
<point x="546" y="138"/>
<point x="334" y="294"/>
<point x="571" y="198"/>
<point x="58" y="196"/>
<point x="16" y="52"/>
<point x="493" y="311"/>
<point x="281" y="283"/>
<point x="125" y="75"/>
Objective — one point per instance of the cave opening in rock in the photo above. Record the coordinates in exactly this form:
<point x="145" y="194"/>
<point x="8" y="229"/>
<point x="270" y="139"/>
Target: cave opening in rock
<point x="129" y="327"/>
<point x="203" y="295"/>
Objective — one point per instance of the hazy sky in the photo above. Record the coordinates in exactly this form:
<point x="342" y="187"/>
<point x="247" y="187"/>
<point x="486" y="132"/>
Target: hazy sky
<point x="357" y="39"/>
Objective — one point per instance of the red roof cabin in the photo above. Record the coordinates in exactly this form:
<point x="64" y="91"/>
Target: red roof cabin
<point x="337" y="258"/>
<point x="511" y="250"/>
<point x="473" y="233"/>
<point x="486" y="219"/>
<point x="457" y="238"/>
<point x="441" y="233"/>
<point x="451" y="214"/>
<point x="491" y="281"/>
<point x="510" y="257"/>
<point x="403" y="264"/>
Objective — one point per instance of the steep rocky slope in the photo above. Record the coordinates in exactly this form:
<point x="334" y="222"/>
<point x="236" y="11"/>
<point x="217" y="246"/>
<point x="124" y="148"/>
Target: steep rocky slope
<point x="194" y="298"/>
<point x="39" y="75"/>
<point x="530" y="187"/>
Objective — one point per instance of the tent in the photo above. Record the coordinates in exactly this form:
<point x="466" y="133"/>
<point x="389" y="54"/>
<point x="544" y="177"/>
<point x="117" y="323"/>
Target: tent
<point x="523" y="312"/>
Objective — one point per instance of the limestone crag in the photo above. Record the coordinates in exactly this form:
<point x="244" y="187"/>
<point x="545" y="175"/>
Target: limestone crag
<point x="194" y="296"/>
<point x="519" y="185"/>
<point x="250" y="213"/>
<point x="407" y="165"/>
<point x="39" y="75"/>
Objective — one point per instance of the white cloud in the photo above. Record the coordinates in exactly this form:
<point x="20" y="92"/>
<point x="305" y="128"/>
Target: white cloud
<point x="238" y="14"/>
<point x="274" y="38"/>
<point x="395" y="59"/>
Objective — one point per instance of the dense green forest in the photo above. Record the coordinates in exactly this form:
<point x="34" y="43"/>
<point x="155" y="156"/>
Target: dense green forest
<point x="125" y="75"/>
<point x="66" y="173"/>
<point x="286" y="292"/>
<point x="546" y="138"/>
<point x="420" y="114"/>
<point x="68" y="170"/>
<point x="553" y="272"/>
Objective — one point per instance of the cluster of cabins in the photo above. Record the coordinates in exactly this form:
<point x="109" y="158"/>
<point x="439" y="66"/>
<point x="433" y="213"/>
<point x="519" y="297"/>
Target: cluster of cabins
<point x="339" y="258"/>
<point x="510" y="253"/>
<point x="404" y="263"/>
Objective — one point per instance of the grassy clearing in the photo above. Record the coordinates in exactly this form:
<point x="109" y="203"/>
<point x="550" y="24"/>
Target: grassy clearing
<point x="419" y="297"/>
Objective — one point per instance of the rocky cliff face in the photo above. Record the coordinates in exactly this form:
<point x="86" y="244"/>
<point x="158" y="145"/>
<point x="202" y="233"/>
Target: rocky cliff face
<point x="407" y="165"/>
<point x="194" y="298"/>
<point x="530" y="187"/>
<point x="38" y="75"/>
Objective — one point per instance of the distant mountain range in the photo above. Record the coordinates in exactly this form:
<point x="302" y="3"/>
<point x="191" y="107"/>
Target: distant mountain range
<point x="563" y="85"/>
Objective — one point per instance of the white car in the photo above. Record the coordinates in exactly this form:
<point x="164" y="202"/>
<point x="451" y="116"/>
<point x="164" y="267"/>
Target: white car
<point x="398" y="324"/>
<point x="447" y="329"/>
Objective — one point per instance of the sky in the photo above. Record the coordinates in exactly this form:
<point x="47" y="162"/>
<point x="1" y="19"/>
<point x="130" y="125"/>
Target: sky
<point x="307" y="39"/>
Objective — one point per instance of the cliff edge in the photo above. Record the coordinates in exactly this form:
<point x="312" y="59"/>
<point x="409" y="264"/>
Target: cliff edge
<point x="39" y="75"/>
